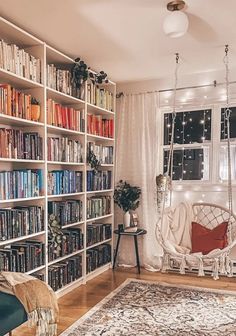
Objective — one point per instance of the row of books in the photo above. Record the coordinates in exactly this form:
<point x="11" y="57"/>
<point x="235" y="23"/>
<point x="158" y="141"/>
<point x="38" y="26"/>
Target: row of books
<point x="15" y="103"/>
<point x="104" y="154"/>
<point x="100" y="180"/>
<point x="21" y="183"/>
<point x="63" y="273"/>
<point x="73" y="240"/>
<point x="97" y="232"/>
<point x="100" y="97"/>
<point x="20" y="221"/>
<point x="65" y="116"/>
<point x="66" y="212"/>
<point x="98" y="206"/>
<point x="20" y="62"/>
<point x="15" y="144"/>
<point x="98" y="256"/>
<point x="64" y="182"/>
<point x="59" y="79"/>
<point x="64" y="150"/>
<point x="98" y="125"/>
<point x="22" y="257"/>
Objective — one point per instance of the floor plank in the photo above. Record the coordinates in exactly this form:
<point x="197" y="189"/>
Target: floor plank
<point x="76" y="303"/>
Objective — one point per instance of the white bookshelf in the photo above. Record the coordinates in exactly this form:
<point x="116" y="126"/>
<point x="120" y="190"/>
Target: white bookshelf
<point x="10" y="33"/>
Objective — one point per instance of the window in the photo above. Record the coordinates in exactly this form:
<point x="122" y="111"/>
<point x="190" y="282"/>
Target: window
<point x="192" y="141"/>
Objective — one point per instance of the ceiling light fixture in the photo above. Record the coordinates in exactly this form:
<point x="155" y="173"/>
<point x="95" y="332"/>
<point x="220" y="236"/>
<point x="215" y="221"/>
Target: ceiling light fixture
<point x="176" y="23"/>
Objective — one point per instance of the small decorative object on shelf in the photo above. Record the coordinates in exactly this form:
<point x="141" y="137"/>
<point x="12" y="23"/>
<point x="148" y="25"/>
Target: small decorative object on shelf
<point x="56" y="235"/>
<point x="127" y="198"/>
<point x="35" y="109"/>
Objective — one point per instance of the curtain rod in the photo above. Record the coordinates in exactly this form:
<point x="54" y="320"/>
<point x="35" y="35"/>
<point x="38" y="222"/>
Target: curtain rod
<point x="214" y="84"/>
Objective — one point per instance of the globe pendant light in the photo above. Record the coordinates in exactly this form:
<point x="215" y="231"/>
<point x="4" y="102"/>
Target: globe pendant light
<point x="176" y="23"/>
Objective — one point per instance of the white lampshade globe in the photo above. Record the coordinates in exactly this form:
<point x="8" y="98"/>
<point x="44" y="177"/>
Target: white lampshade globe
<point x="176" y="24"/>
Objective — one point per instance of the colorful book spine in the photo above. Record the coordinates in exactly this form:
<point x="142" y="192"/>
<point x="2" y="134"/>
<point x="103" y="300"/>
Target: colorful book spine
<point x="97" y="233"/>
<point x="100" y="180"/>
<point x="66" y="212"/>
<point x="104" y="154"/>
<point x="98" y="206"/>
<point x="64" y="182"/>
<point x="64" y="150"/>
<point x="98" y="125"/>
<point x="100" y="96"/>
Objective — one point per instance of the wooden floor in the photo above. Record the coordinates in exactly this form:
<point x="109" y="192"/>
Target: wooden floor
<point x="76" y="303"/>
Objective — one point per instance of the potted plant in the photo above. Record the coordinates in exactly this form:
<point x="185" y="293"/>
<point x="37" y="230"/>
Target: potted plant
<point x="35" y="109"/>
<point x="127" y="198"/>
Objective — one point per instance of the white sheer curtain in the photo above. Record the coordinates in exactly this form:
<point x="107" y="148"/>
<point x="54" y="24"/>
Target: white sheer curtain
<point x="136" y="162"/>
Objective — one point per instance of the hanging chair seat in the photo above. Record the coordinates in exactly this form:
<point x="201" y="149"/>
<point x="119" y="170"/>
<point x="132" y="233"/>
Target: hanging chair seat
<point x="175" y="236"/>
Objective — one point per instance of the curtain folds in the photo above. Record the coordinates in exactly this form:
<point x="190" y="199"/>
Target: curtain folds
<point x="136" y="162"/>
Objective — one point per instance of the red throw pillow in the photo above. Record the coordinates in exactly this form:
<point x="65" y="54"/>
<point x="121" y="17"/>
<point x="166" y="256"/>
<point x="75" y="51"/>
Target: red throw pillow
<point x="206" y="240"/>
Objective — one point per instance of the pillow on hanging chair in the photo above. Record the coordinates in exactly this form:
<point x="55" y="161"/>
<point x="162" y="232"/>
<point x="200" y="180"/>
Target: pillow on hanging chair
<point x="206" y="240"/>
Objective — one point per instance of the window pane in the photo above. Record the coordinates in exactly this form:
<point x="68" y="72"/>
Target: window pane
<point x="224" y="162"/>
<point x="190" y="127"/>
<point x="232" y="124"/>
<point x="189" y="164"/>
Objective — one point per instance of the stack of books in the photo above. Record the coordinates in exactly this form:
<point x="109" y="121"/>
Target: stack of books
<point x="15" y="144"/>
<point x="64" y="150"/>
<point x="20" y="62"/>
<point x="66" y="212"/>
<point x="20" y="221"/>
<point x="98" y="181"/>
<point x="23" y="256"/>
<point x="104" y="154"/>
<point x="98" y="256"/>
<point x="98" y="125"/>
<point x="97" y="233"/>
<point x="98" y="206"/>
<point x="64" y="182"/>
<point x="21" y="183"/>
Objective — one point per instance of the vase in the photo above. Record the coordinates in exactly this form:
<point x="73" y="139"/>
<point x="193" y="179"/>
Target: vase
<point x="126" y="219"/>
<point x="35" y="112"/>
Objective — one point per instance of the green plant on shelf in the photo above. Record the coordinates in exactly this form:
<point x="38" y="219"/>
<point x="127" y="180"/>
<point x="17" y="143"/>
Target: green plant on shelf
<point x="79" y="72"/>
<point x="98" y="78"/>
<point x="56" y="236"/>
<point x="92" y="160"/>
<point x="127" y="196"/>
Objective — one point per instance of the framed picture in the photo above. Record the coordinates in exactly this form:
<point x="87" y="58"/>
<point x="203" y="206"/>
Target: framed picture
<point x="134" y="219"/>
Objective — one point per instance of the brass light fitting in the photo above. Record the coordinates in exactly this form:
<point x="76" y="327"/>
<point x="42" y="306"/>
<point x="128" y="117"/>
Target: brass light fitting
<point x="175" y="5"/>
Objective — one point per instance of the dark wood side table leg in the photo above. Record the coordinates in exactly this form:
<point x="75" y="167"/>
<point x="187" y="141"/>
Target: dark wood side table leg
<point x="136" y="251"/>
<point x="116" y="251"/>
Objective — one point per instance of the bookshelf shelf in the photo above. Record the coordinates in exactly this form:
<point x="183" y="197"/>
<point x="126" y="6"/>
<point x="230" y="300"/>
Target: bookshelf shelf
<point x="72" y="225"/>
<point x="60" y="130"/>
<point x="14" y="121"/>
<point x="98" y="218"/>
<point x="65" y="195"/>
<point x="98" y="137"/>
<point x="65" y="163"/>
<point x="10" y="241"/>
<point x="65" y="110"/>
<point x="100" y="191"/>
<point x="99" y="110"/>
<point x="98" y="270"/>
<point x="21" y="160"/>
<point x="63" y="98"/>
<point x="99" y="243"/>
<point x="18" y="81"/>
<point x="65" y="257"/>
<point x="13" y="200"/>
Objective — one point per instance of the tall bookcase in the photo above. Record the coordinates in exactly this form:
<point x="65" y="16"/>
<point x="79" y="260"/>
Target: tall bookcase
<point x="11" y="34"/>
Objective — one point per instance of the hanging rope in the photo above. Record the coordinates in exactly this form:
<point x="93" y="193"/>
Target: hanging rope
<point x="227" y="117"/>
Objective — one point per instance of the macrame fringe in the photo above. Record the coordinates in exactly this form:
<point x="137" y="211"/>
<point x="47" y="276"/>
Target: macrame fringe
<point x="42" y="318"/>
<point x="165" y="263"/>
<point x="182" y="265"/>
<point x="223" y="264"/>
<point x="215" y="269"/>
<point x="201" y="269"/>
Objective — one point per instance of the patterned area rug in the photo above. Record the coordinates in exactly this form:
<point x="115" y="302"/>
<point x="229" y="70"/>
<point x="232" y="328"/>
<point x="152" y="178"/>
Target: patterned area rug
<point x="139" y="308"/>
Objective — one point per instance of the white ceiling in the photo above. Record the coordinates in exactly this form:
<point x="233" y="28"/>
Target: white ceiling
<point x="125" y="37"/>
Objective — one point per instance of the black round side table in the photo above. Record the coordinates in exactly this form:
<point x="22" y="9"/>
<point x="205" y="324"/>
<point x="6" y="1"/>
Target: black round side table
<point x="139" y="232"/>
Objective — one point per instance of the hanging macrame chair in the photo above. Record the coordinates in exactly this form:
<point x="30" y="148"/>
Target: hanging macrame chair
<point x="207" y="214"/>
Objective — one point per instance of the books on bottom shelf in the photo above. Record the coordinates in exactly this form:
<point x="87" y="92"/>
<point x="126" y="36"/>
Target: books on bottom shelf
<point x="63" y="273"/>
<point x="98" y="256"/>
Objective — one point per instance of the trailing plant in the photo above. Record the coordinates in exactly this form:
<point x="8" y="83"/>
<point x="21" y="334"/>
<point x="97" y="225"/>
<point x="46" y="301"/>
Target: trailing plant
<point x="34" y="101"/>
<point x="56" y="236"/>
<point x="127" y="196"/>
<point x="98" y="78"/>
<point x="79" y="72"/>
<point x="92" y="160"/>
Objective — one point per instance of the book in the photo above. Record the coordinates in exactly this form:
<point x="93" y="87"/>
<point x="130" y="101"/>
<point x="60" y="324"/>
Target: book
<point x="64" y="182"/>
<point x="64" y="150"/>
<point x="104" y="154"/>
<point x="98" y="125"/>
<point x="98" y="256"/>
<point x="98" y="232"/>
<point x="98" y="206"/>
<point x="100" y="180"/>
<point x="100" y="96"/>
<point x="66" y="212"/>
